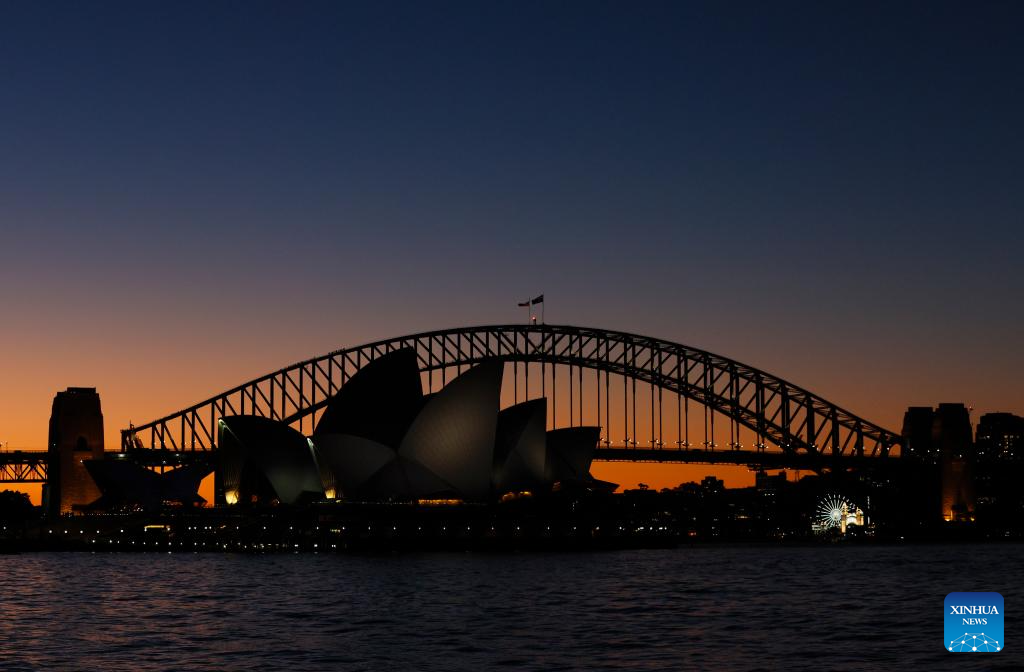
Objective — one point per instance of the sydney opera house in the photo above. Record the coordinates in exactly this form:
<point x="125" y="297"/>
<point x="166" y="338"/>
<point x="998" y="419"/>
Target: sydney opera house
<point x="381" y="439"/>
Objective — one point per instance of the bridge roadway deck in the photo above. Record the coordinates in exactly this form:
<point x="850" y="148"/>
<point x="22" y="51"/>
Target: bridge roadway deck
<point x="31" y="466"/>
<point x="23" y="466"/>
<point x="28" y="466"/>
<point x="756" y="459"/>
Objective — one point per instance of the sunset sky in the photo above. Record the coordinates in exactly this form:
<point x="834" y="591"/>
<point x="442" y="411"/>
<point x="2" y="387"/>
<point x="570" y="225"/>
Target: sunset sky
<point x="194" y="194"/>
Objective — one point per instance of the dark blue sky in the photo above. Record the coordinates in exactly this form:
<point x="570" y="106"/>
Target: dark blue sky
<point x="196" y="193"/>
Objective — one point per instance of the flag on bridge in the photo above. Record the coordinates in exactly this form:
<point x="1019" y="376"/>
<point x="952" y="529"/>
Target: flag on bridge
<point x="539" y="299"/>
<point x="533" y="302"/>
<point x="525" y="304"/>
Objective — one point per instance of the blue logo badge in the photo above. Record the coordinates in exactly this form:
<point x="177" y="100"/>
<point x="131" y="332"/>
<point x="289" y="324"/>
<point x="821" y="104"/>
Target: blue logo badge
<point x="974" y="622"/>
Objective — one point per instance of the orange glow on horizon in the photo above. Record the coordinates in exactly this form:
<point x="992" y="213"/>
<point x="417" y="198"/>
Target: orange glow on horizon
<point x="627" y="474"/>
<point x="155" y="376"/>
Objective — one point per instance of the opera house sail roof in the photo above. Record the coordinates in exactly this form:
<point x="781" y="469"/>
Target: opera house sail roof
<point x="379" y="402"/>
<point x="520" y="447"/>
<point x="453" y="436"/>
<point x="266" y="459"/>
<point x="570" y="452"/>
<point x="124" y="483"/>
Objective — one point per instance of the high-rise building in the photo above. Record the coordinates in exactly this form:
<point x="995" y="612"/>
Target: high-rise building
<point x="952" y="436"/>
<point x="942" y="438"/>
<point x="76" y="435"/>
<point x="1000" y="437"/>
<point x="917" y="433"/>
<point x="769" y="482"/>
<point x="712" y="485"/>
<point x="933" y="434"/>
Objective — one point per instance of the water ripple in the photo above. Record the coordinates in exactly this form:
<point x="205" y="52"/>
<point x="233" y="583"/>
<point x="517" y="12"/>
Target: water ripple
<point x="706" y="607"/>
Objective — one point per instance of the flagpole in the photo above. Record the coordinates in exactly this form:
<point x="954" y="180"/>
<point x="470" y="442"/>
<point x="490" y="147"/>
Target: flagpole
<point x="533" y="302"/>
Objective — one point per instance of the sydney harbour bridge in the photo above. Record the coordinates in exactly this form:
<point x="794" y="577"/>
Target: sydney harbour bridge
<point x="655" y="400"/>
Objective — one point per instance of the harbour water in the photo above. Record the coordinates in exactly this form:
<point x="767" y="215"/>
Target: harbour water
<point x="700" y="607"/>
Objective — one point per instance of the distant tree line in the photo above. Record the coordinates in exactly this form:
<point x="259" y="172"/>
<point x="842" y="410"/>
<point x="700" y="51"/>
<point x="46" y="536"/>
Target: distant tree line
<point x="16" y="507"/>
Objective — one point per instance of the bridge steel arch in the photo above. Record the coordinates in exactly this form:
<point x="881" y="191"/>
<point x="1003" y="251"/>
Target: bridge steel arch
<point x="799" y="422"/>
